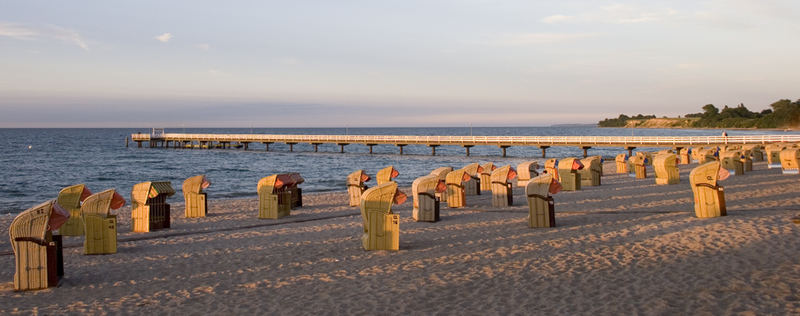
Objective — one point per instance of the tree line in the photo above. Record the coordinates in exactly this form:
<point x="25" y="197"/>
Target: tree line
<point x="781" y="114"/>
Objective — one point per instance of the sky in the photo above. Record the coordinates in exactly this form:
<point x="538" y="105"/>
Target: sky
<point x="388" y="63"/>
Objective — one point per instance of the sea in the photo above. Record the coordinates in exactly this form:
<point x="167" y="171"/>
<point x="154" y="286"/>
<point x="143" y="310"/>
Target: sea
<point x="35" y="164"/>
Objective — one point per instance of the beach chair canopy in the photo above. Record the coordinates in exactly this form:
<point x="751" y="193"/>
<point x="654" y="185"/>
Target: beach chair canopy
<point x="150" y="190"/>
<point x="196" y="184"/>
<point x="72" y="196"/>
<point x="357" y="178"/>
<point x="101" y="203"/>
<point x="504" y="174"/>
<point x="387" y="174"/>
<point x="473" y="169"/>
<point x="667" y="160"/>
<point x="488" y="167"/>
<point x="457" y="177"/>
<point x="442" y="172"/>
<point x="527" y="169"/>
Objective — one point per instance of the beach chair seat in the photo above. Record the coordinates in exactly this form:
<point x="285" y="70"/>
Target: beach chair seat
<point x="666" y="169"/>
<point x="486" y="176"/>
<point x="356" y="186"/>
<point x="732" y="160"/>
<point x="455" y="188"/>
<point x="426" y="204"/>
<point x="38" y="254"/>
<point x="196" y="199"/>
<point x="149" y="207"/>
<point x="526" y="171"/>
<point x="709" y="197"/>
<point x="381" y="226"/>
<point x="273" y="201"/>
<point x="502" y="193"/>
<point x="541" y="208"/>
<point x="473" y="187"/>
<point x="291" y="182"/>
<point x="568" y="173"/>
<point x="592" y="171"/>
<point x="790" y="159"/>
<point x="386" y="175"/>
<point x="442" y="172"/>
<point x="70" y="199"/>
<point x="551" y="167"/>
<point x="100" y="224"/>
<point x="622" y="163"/>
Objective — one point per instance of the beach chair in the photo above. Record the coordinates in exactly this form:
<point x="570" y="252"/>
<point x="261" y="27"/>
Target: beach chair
<point x="356" y="186"/>
<point x="473" y="187"/>
<point x="568" y="173"/>
<point x="707" y="155"/>
<point x="442" y="172"/>
<point x="149" y="207"/>
<point x="709" y="198"/>
<point x="381" y="226"/>
<point x="196" y="199"/>
<point x="732" y="160"/>
<point x="773" y="153"/>
<point x="290" y="183"/>
<point x="70" y="199"/>
<point x="386" y="175"/>
<point x="696" y="153"/>
<point x="747" y="159"/>
<point x="526" y="171"/>
<point x="455" y="188"/>
<point x="541" y="209"/>
<point x="502" y="194"/>
<point x="637" y="166"/>
<point x="38" y="255"/>
<point x="790" y="159"/>
<point x="666" y="169"/>
<point x="622" y="163"/>
<point x="100" y="224"/>
<point x="426" y="204"/>
<point x="551" y="167"/>
<point x="486" y="176"/>
<point x="273" y="201"/>
<point x="592" y="171"/>
<point x="756" y="152"/>
<point x="684" y="155"/>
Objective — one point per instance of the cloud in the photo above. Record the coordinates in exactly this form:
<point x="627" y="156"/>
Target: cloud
<point x="558" y="18"/>
<point x="24" y="32"/>
<point x="614" y="14"/>
<point x="203" y="46"/>
<point x="540" y="38"/>
<point x="164" y="37"/>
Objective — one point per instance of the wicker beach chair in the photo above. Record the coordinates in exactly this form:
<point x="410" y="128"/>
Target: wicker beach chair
<point x="386" y="175"/>
<point x="637" y="166"/>
<point x="622" y="163"/>
<point x="70" y="199"/>
<point x="291" y="182"/>
<point x="442" y="172"/>
<point x="666" y="169"/>
<point x="756" y="152"/>
<point x="790" y="159"/>
<point x="709" y="198"/>
<point x="149" y="207"/>
<point x="100" y="224"/>
<point x="592" y="171"/>
<point x="426" y="204"/>
<point x="773" y="153"/>
<point x="273" y="202"/>
<point x="502" y="194"/>
<point x="526" y="171"/>
<point x="685" y="156"/>
<point x="551" y="167"/>
<point x="381" y="226"/>
<point x="541" y="210"/>
<point x="37" y="252"/>
<point x="196" y="199"/>
<point x="568" y="173"/>
<point x="455" y="188"/>
<point x="732" y="160"/>
<point x="356" y="186"/>
<point x="473" y="187"/>
<point x="707" y="155"/>
<point x="486" y="176"/>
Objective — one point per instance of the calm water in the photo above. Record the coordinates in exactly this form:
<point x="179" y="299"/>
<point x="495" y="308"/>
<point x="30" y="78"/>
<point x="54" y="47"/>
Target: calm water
<point x="98" y="157"/>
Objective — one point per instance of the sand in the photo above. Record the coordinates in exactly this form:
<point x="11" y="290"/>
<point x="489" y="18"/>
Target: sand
<point x="626" y="247"/>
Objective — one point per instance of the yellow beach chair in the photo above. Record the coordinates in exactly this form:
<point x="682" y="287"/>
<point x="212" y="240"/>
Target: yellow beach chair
<point x="709" y="198"/>
<point x="273" y="201"/>
<point x="551" y="167"/>
<point x="568" y="173"/>
<point x="442" y="172"/>
<point x="502" y="195"/>
<point x="526" y="171"/>
<point x="666" y="169"/>
<point x="790" y="159"/>
<point x="638" y="165"/>
<point x="486" y="176"/>
<point x="455" y="188"/>
<point x="356" y="186"/>
<point x="592" y="171"/>
<point x="622" y="163"/>
<point x="386" y="175"/>
<point x="473" y="187"/>
<point x="196" y="199"/>
<point x="732" y="160"/>
<point x="149" y="207"/>
<point x="773" y="153"/>
<point x="426" y="204"/>
<point x="756" y="152"/>
<point x="100" y="224"/>
<point x="541" y="209"/>
<point x="37" y="252"/>
<point x="684" y="155"/>
<point x="381" y="226"/>
<point x="70" y="199"/>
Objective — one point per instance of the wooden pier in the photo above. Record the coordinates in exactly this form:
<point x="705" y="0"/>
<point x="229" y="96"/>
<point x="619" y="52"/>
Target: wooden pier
<point x="158" y="139"/>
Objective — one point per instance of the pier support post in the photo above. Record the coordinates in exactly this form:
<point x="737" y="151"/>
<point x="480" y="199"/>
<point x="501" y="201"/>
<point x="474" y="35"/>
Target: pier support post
<point x="503" y="147"/>
<point x="585" y="151"/>
<point x="266" y="145"/>
<point x="139" y="143"/>
<point x="246" y="144"/>
<point x="126" y="141"/>
<point x="370" y="147"/>
<point x="341" y="146"/>
<point x="630" y="150"/>
<point x="291" y="146"/>
<point x="316" y="147"/>
<point x="467" y="147"/>
<point x="401" y="147"/>
<point x="544" y="150"/>
<point x="433" y="149"/>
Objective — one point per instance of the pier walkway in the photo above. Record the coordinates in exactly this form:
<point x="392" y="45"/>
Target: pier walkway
<point x="177" y="140"/>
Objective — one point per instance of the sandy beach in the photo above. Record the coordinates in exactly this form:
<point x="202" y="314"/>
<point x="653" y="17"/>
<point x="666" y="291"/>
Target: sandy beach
<point x="626" y="247"/>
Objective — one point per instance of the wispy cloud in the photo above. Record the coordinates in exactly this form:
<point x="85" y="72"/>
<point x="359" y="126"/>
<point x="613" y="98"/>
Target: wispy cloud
<point x="25" y="32"/>
<point x="540" y="38"/>
<point x="164" y="37"/>
<point x="614" y="14"/>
